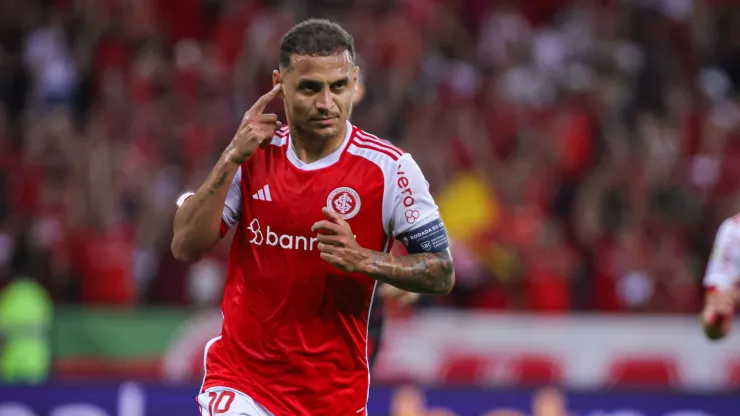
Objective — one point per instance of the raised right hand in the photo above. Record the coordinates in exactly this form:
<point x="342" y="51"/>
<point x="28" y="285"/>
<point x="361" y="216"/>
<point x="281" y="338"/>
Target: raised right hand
<point x="255" y="130"/>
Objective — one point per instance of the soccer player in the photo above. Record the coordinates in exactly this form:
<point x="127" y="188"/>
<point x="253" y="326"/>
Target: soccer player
<point x="315" y="206"/>
<point x="721" y="280"/>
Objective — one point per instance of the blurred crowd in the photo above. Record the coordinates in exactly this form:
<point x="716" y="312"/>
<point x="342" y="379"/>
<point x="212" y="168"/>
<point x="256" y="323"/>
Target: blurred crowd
<point x="583" y="152"/>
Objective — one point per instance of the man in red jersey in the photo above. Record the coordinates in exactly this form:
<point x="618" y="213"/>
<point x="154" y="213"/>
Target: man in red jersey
<point x="316" y="207"/>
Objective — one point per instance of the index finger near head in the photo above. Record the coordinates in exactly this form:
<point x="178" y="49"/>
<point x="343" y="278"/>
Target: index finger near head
<point x="261" y="103"/>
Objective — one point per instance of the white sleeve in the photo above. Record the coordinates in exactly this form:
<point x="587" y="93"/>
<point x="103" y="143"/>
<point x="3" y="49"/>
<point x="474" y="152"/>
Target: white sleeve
<point x="232" y="205"/>
<point x="415" y="217"/>
<point x="413" y="205"/>
<point x="723" y="269"/>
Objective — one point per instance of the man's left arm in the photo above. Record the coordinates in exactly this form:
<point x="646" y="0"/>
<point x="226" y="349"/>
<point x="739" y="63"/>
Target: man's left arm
<point x="414" y="220"/>
<point x="430" y="273"/>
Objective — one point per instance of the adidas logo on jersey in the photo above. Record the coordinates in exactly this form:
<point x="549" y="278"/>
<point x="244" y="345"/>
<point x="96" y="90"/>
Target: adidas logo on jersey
<point x="263" y="194"/>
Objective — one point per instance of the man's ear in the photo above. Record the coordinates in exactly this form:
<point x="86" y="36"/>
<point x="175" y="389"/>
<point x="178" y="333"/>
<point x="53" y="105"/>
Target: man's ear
<point x="359" y="87"/>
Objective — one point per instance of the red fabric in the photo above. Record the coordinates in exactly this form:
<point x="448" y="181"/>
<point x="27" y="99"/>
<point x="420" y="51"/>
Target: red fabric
<point x="733" y="373"/>
<point x="25" y="187"/>
<point x="460" y="154"/>
<point x="604" y="290"/>
<point x="183" y="18"/>
<point x="576" y="143"/>
<point x="111" y="53"/>
<point x="502" y="130"/>
<point x="228" y="34"/>
<point x="198" y="142"/>
<point x="464" y="369"/>
<point x="521" y="226"/>
<point x="104" y="261"/>
<point x="292" y="316"/>
<point x="541" y="12"/>
<point x="548" y="292"/>
<point x="693" y="125"/>
<point x="223" y="229"/>
<point x="528" y="370"/>
<point x="490" y="298"/>
<point x="141" y="89"/>
<point x="644" y="372"/>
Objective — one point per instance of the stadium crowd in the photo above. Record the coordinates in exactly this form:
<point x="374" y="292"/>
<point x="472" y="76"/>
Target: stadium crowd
<point x="583" y="153"/>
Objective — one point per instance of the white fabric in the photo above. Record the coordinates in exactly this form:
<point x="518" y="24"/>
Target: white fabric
<point x="324" y="161"/>
<point x="413" y="205"/>
<point x="233" y="205"/>
<point x="723" y="269"/>
<point x="407" y="203"/>
<point x="229" y="402"/>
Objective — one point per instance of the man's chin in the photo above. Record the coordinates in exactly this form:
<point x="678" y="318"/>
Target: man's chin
<point x="325" y="131"/>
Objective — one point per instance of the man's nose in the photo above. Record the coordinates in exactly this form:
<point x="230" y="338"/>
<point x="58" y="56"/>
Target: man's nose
<point x="324" y="102"/>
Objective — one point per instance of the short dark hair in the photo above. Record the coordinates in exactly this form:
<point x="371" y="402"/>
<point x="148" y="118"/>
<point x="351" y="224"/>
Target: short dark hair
<point x="315" y="37"/>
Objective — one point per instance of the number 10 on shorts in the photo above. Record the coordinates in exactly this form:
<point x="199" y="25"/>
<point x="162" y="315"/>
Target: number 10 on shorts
<point x="219" y="402"/>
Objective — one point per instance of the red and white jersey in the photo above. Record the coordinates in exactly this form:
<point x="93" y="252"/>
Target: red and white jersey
<point x="723" y="269"/>
<point x="294" y="336"/>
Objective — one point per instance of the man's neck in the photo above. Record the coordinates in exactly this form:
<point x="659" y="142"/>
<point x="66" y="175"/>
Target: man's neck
<point x="309" y="148"/>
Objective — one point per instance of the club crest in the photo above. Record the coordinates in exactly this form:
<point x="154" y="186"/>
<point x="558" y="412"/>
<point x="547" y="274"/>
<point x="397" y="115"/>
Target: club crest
<point x="344" y="201"/>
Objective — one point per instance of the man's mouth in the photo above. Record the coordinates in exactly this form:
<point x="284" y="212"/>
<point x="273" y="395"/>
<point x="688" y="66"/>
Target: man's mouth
<point x="324" y="121"/>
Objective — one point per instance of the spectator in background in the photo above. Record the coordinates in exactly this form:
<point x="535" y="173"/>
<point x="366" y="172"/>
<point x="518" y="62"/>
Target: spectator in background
<point x="47" y="57"/>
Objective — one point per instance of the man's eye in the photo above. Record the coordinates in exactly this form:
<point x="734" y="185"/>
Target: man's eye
<point x="310" y="89"/>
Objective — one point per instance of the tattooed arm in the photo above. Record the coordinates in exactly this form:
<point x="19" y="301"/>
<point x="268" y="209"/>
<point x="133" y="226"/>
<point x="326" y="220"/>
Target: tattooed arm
<point x="415" y="222"/>
<point x="198" y="220"/>
<point x="431" y="273"/>
<point x="427" y="269"/>
<point x="207" y="213"/>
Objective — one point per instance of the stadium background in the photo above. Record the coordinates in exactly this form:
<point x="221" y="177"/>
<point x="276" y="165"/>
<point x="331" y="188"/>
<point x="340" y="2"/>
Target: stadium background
<point x="582" y="153"/>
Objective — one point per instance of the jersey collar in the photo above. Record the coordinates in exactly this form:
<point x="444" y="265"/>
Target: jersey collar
<point x="323" y="162"/>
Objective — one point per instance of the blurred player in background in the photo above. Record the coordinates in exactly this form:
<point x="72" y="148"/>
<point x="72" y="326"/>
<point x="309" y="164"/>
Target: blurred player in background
<point x="721" y="280"/>
<point x="376" y="322"/>
<point x="316" y="207"/>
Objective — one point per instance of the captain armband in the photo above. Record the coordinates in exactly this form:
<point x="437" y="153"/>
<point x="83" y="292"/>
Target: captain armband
<point x="429" y="238"/>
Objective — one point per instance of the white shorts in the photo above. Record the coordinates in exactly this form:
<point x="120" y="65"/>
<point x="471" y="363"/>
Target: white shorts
<point x="228" y="402"/>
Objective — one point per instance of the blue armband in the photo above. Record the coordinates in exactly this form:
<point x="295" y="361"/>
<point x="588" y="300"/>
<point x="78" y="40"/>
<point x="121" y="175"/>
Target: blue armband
<point x="429" y="238"/>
